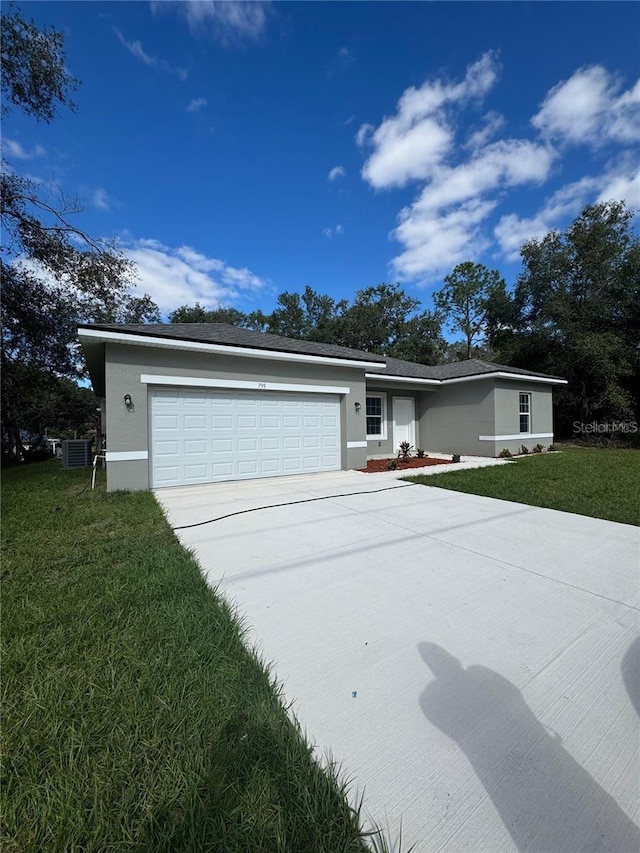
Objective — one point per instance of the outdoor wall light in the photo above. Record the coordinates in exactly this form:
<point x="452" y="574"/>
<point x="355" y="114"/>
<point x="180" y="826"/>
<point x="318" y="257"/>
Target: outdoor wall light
<point x="128" y="401"/>
<point x="358" y="407"/>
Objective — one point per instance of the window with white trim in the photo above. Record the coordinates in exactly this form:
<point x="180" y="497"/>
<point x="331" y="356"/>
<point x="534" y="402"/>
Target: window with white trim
<point x="525" y="412"/>
<point x="376" y="416"/>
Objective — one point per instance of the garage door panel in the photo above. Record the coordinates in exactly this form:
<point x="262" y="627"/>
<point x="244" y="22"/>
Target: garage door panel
<point x="200" y="436"/>
<point x="166" y="422"/>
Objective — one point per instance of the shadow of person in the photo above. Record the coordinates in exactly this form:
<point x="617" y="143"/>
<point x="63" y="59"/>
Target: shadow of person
<point x="546" y="800"/>
<point x="631" y="673"/>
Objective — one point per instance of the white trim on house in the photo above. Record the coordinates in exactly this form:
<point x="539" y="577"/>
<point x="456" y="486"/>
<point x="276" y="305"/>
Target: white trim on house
<point x="515" y="435"/>
<point x="381" y="377"/>
<point x="250" y="384"/>
<point x="126" y="455"/>
<point x="383" y="422"/>
<point x="520" y="377"/>
<point x="222" y="349"/>
<point x="352" y="444"/>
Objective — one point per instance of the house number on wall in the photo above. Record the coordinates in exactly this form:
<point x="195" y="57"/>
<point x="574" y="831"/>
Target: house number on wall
<point x="262" y="384"/>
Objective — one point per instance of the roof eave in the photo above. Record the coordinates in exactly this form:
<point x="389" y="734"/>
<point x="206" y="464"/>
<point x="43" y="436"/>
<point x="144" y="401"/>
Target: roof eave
<point x="132" y="339"/>
<point x="502" y="374"/>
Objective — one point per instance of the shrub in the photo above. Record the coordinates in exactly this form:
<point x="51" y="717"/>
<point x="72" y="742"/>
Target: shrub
<point x="551" y="448"/>
<point x="524" y="450"/>
<point x="405" y="450"/>
<point x="455" y="457"/>
<point x="538" y="448"/>
<point x="392" y="464"/>
<point x="420" y="453"/>
<point x="505" y="453"/>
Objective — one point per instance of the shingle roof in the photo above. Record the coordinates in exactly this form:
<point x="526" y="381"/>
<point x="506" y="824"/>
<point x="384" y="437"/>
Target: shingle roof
<point x="223" y="333"/>
<point x="453" y="370"/>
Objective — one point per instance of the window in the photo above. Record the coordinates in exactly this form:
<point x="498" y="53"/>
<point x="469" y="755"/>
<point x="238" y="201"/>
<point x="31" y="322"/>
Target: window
<point x="525" y="412"/>
<point x="376" y="419"/>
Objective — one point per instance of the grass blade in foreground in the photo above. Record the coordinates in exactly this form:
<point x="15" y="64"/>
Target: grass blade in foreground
<point x="596" y="482"/>
<point x="135" y="718"/>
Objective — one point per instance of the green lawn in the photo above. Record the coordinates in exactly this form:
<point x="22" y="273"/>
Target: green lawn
<point x="598" y="482"/>
<point x="135" y="719"/>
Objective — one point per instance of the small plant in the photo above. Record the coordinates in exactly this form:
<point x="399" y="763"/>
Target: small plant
<point x="505" y="453"/>
<point x="524" y="450"/>
<point x="551" y="448"/>
<point x="405" y="450"/>
<point x="455" y="457"/>
<point x="538" y="448"/>
<point x="392" y="465"/>
<point x="420" y="453"/>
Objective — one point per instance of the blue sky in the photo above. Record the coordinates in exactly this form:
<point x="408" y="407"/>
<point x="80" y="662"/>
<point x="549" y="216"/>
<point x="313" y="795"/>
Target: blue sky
<point x="240" y="150"/>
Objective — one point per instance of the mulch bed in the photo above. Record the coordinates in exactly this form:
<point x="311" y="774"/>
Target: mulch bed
<point x="374" y="466"/>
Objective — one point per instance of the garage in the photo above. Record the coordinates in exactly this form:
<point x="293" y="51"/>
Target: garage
<point x="206" y="435"/>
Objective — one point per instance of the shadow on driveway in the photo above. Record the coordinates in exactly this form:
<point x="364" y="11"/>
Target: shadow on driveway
<point x="631" y="673"/>
<point x="546" y="800"/>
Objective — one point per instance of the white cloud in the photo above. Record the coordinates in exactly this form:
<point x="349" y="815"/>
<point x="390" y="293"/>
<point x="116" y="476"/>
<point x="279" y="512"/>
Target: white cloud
<point x="436" y="243"/>
<point x="196" y="104"/>
<point x="226" y="20"/>
<point x="493" y="122"/>
<point x="330" y="233"/>
<point x="512" y="230"/>
<point x="337" y="172"/>
<point x="408" y="145"/>
<point x="100" y="199"/>
<point x="442" y="227"/>
<point x="364" y="133"/>
<point x="589" y="109"/>
<point x="505" y="163"/>
<point x="622" y="187"/>
<point x="183" y="276"/>
<point x="14" y="149"/>
<point x="620" y="181"/>
<point x="135" y="49"/>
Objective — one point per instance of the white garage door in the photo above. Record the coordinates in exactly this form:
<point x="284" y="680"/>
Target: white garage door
<point x="201" y="436"/>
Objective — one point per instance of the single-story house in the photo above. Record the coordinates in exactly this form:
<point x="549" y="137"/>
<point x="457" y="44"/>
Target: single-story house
<point x="204" y="402"/>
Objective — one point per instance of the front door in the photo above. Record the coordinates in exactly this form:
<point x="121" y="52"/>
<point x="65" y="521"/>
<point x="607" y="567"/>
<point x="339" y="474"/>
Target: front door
<point x="404" y="421"/>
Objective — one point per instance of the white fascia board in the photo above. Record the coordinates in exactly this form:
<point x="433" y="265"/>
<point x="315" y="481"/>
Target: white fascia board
<point x="381" y="377"/>
<point x="515" y="435"/>
<point x="519" y="377"/>
<point x="221" y="349"/>
<point x="245" y="384"/>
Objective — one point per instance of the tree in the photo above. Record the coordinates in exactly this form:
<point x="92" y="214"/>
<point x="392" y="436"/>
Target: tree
<point x="463" y="299"/>
<point x="575" y="312"/>
<point x="381" y="319"/>
<point x="307" y="316"/>
<point x="256" y="320"/>
<point x="34" y="75"/>
<point x="53" y="274"/>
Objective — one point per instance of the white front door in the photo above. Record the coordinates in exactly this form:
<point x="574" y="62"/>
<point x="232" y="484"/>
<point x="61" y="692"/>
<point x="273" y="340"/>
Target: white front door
<point x="404" y="421"/>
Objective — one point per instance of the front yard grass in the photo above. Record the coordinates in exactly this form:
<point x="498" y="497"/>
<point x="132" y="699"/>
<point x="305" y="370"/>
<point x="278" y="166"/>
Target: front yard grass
<point x="597" y="482"/>
<point x="135" y="719"/>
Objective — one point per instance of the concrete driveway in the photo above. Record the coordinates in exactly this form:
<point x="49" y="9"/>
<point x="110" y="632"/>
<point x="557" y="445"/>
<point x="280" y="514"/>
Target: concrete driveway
<point x="474" y="664"/>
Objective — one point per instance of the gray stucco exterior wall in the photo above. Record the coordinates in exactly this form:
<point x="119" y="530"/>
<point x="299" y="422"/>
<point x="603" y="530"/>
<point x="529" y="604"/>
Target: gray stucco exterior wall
<point x="456" y="415"/>
<point x="507" y="421"/>
<point x="482" y="417"/>
<point x="128" y="429"/>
